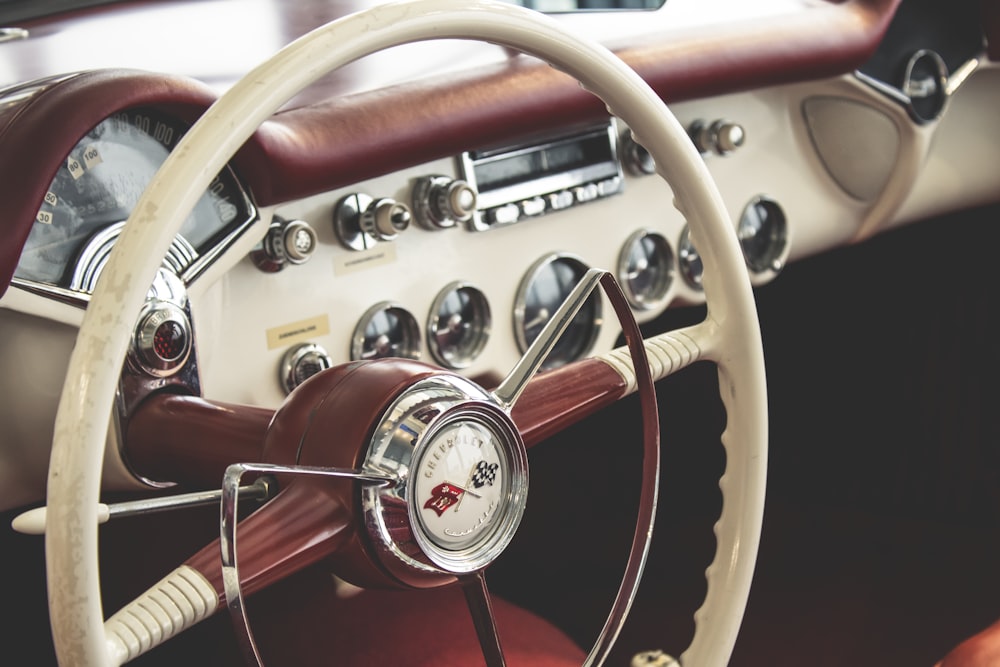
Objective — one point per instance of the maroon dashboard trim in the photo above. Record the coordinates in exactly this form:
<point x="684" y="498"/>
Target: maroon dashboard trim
<point x="311" y="149"/>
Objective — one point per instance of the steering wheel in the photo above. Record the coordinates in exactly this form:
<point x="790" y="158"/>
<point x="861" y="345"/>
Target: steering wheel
<point x="729" y="336"/>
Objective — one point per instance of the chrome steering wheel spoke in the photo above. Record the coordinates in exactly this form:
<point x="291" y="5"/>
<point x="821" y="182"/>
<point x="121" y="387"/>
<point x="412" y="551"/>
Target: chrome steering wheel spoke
<point x="477" y="597"/>
<point x="507" y="393"/>
<point x="228" y="518"/>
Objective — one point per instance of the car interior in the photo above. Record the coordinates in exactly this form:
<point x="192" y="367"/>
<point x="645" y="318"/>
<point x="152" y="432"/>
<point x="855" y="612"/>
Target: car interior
<point x="524" y="332"/>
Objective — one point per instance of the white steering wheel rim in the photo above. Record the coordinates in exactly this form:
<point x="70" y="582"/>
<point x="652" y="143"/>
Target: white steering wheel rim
<point x="81" y="425"/>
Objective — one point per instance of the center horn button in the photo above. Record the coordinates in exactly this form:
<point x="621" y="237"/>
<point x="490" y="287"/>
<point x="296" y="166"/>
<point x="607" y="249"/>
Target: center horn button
<point x="458" y="463"/>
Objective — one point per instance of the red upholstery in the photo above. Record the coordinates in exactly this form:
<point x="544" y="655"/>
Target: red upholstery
<point x="304" y="623"/>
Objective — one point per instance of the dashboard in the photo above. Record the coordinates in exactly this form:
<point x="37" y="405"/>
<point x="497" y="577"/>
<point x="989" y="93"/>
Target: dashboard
<point x="438" y="201"/>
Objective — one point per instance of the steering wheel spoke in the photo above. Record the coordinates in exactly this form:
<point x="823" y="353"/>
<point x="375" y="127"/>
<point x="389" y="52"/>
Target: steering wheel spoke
<point x="514" y="384"/>
<point x="477" y="597"/>
<point x="299" y="527"/>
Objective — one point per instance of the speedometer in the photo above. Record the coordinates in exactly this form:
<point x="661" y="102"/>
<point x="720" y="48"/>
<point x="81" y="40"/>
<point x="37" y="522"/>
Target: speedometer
<point x="95" y="190"/>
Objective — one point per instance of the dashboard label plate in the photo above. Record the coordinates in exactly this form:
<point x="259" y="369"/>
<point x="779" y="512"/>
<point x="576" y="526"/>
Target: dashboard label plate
<point x="380" y="255"/>
<point x="297" y="332"/>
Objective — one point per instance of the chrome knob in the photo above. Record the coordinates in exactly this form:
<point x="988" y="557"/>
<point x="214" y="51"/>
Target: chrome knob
<point x="721" y="137"/>
<point x="302" y="362"/>
<point x="286" y="242"/>
<point x="728" y="137"/>
<point x="385" y="219"/>
<point x="361" y="222"/>
<point x="440" y="202"/>
<point x="298" y="240"/>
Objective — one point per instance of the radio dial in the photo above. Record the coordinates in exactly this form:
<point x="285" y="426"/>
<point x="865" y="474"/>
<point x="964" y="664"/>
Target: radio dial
<point x="440" y="202"/>
<point x="458" y="200"/>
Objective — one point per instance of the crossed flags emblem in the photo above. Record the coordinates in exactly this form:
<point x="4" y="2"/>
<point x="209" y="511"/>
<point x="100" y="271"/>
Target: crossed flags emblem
<point x="446" y="494"/>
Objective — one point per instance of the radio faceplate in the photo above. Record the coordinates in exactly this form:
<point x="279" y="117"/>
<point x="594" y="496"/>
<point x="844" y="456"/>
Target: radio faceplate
<point x="525" y="181"/>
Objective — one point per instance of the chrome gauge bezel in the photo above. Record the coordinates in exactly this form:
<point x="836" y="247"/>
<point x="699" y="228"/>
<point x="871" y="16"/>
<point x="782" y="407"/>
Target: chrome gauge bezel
<point x="464" y="352"/>
<point x="658" y="293"/>
<point x="402" y="445"/>
<point x="767" y="264"/>
<point x="585" y="335"/>
<point x="409" y="347"/>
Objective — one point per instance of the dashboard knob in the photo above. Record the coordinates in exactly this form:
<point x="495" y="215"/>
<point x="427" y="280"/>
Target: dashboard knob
<point x="361" y="221"/>
<point x="286" y="242"/>
<point x="302" y="362"/>
<point x="440" y="202"/>
<point x="385" y="219"/>
<point x="728" y="136"/>
<point x="721" y="137"/>
<point x="298" y="241"/>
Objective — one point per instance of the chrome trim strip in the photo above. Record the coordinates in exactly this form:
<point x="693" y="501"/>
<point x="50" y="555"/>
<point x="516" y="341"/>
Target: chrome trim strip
<point x="60" y="294"/>
<point x="12" y="34"/>
<point x="891" y="92"/>
<point x="962" y="74"/>
<point x="199" y="265"/>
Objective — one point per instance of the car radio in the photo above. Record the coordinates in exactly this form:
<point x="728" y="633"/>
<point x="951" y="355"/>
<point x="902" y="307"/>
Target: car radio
<point x="519" y="182"/>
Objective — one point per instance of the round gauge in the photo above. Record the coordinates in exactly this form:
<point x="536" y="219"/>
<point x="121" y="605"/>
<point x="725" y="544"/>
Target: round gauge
<point x="99" y="183"/>
<point x="646" y="269"/>
<point x="689" y="261"/>
<point x="763" y="235"/>
<point x="461" y="481"/>
<point x="543" y="289"/>
<point x="386" y="330"/>
<point x="459" y="325"/>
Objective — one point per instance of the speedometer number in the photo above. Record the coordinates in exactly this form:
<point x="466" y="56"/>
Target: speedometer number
<point x="47" y="217"/>
<point x="164" y="134"/>
<point x="91" y="157"/>
<point x="74" y="168"/>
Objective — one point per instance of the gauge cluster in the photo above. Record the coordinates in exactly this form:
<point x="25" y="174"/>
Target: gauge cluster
<point x="95" y="190"/>
<point x="459" y="263"/>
